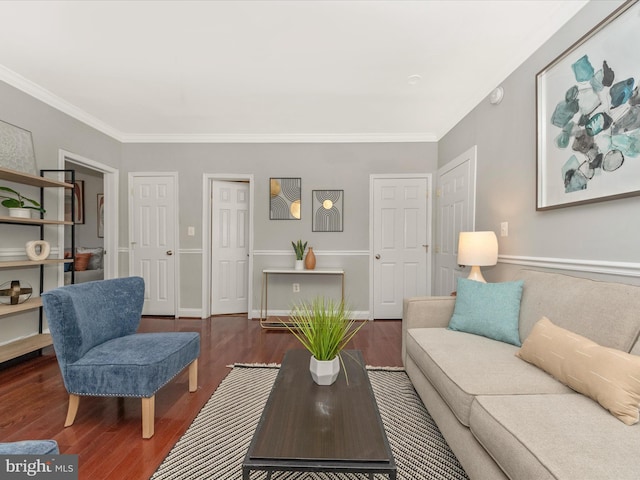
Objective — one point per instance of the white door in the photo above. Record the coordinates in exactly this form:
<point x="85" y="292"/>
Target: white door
<point x="152" y="227"/>
<point x="229" y="247"/>
<point x="455" y="200"/>
<point x="400" y="246"/>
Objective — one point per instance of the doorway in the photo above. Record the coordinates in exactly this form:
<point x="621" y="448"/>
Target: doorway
<point x="456" y="200"/>
<point x="237" y="191"/>
<point x="110" y="175"/>
<point x="400" y="236"/>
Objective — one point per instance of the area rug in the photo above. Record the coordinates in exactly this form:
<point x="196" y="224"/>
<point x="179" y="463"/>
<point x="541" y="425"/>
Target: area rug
<point x="215" y="444"/>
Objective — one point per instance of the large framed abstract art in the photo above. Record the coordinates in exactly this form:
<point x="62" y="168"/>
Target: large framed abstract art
<point x="328" y="210"/>
<point x="284" y="198"/>
<point x="588" y="116"/>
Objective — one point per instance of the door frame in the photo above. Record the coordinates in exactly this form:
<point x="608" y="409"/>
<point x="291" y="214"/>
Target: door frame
<point x="207" y="190"/>
<point x="389" y="176"/>
<point x="176" y="230"/>
<point x="110" y="180"/>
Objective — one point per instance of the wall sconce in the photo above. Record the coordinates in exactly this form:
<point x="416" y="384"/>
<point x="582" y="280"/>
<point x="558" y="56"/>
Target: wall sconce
<point x="477" y="249"/>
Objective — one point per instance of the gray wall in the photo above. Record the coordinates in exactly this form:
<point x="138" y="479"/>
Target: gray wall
<point x="320" y="166"/>
<point x="506" y="175"/>
<point x="51" y="130"/>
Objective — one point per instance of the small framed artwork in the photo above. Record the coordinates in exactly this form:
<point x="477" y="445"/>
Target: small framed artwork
<point x="588" y="116"/>
<point x="100" y="215"/>
<point x="16" y="149"/>
<point x="328" y="210"/>
<point x="78" y="204"/>
<point x="285" y="198"/>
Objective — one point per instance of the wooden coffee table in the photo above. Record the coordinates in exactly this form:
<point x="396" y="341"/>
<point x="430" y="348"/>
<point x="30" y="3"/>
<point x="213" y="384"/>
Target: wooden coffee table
<point x="310" y="428"/>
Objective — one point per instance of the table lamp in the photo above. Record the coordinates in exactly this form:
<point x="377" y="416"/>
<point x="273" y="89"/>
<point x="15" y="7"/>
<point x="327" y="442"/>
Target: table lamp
<point x="477" y="249"/>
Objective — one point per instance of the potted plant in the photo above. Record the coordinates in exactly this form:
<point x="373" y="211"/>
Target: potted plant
<point x="17" y="204"/>
<point x="299" y="248"/>
<point x="324" y="328"/>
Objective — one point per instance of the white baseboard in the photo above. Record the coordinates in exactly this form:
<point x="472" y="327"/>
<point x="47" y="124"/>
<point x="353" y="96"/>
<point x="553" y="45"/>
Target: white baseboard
<point x="358" y="315"/>
<point x="190" y="312"/>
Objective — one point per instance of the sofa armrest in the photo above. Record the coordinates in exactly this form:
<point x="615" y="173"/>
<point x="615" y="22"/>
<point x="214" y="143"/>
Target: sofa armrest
<point x="425" y="312"/>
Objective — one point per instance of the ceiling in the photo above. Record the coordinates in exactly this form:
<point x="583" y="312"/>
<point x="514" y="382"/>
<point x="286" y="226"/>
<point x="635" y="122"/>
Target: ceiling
<point x="192" y="71"/>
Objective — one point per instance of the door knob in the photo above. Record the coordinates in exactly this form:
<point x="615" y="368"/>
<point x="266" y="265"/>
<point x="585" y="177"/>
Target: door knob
<point x="378" y="256"/>
<point x="169" y="252"/>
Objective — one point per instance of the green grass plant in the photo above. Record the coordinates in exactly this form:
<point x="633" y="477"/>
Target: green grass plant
<point x="324" y="327"/>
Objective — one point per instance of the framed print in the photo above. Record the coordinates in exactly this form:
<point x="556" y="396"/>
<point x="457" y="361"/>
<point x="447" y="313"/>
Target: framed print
<point x="588" y="116"/>
<point x="100" y="215"/>
<point x="328" y="208"/>
<point x="78" y="203"/>
<point x="16" y="149"/>
<point x="284" y="198"/>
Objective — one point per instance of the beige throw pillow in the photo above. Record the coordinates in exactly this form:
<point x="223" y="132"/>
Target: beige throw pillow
<point x="609" y="376"/>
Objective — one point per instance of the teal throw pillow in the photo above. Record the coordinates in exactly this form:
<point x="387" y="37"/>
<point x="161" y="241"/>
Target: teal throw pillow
<point x="488" y="309"/>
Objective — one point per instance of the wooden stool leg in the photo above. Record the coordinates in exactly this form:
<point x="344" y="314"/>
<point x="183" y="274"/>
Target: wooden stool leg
<point x="148" y="416"/>
<point x="193" y="376"/>
<point x="74" y="401"/>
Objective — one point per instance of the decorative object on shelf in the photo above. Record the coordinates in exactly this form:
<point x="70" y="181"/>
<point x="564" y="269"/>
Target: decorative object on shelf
<point x="16" y="149"/>
<point x="588" y="117"/>
<point x="324" y="328"/>
<point x="19" y="206"/>
<point x="12" y="293"/>
<point x="327" y="206"/>
<point x="100" y="215"/>
<point x="310" y="259"/>
<point x="477" y="249"/>
<point x="298" y="248"/>
<point x="37" y="250"/>
<point x="284" y="198"/>
<point x="81" y="261"/>
<point x="78" y="203"/>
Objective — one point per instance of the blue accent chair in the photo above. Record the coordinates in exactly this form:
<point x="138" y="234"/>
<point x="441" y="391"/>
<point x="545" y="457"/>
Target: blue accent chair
<point x="30" y="447"/>
<point x="93" y="326"/>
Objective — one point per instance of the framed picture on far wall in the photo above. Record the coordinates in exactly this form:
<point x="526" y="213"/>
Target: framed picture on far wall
<point x="328" y="210"/>
<point x="100" y="215"/>
<point x="284" y="198"/>
<point x="588" y="116"/>
<point x="78" y="194"/>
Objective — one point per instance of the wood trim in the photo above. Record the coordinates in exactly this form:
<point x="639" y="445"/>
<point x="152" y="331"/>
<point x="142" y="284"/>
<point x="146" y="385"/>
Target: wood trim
<point x="74" y="402"/>
<point x="148" y="414"/>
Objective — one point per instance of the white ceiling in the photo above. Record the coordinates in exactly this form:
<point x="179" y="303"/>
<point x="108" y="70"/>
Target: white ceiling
<point x="270" y="70"/>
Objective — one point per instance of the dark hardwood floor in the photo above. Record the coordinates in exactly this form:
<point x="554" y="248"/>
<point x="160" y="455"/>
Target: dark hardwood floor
<point x="107" y="432"/>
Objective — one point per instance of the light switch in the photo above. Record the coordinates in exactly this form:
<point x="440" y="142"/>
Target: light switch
<point x="191" y="231"/>
<point x="504" y="229"/>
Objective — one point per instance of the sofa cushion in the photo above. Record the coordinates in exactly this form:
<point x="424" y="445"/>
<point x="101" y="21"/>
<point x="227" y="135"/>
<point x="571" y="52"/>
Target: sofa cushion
<point x="555" y="436"/>
<point x="462" y="365"/>
<point x="609" y="376"/>
<point x="96" y="259"/>
<point x="586" y="307"/>
<point x="488" y="309"/>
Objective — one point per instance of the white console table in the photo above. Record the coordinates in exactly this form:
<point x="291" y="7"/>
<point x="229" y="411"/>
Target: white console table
<point x="264" y="294"/>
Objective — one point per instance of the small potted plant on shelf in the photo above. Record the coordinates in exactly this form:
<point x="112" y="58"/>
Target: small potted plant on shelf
<point x="324" y="327"/>
<point x="19" y="206"/>
<point x="299" y="248"/>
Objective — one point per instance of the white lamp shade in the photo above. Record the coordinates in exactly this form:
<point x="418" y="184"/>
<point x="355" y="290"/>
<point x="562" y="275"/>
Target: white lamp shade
<point x="477" y="248"/>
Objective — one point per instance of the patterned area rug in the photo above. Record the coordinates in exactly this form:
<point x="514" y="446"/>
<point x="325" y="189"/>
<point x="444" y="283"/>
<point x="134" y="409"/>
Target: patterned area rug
<point x="215" y="444"/>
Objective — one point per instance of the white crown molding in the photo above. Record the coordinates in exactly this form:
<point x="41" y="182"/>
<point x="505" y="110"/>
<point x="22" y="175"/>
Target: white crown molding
<point x="30" y="88"/>
<point x="282" y="138"/>
<point x="624" y="269"/>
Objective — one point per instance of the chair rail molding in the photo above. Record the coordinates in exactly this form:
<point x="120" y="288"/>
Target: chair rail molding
<point x="624" y="269"/>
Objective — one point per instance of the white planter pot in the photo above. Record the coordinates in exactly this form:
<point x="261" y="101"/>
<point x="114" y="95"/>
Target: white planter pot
<point x="324" y="372"/>
<point x="299" y="265"/>
<point x="20" y="212"/>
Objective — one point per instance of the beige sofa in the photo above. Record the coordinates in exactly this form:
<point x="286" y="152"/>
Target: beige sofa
<point x="505" y="418"/>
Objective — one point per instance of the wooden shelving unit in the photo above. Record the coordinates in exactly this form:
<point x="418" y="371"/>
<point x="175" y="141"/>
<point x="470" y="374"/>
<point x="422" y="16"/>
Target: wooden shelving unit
<point x="38" y="340"/>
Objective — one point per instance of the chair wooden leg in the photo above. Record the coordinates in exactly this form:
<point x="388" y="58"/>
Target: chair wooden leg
<point x="193" y="376"/>
<point x="74" y="401"/>
<point x="148" y="416"/>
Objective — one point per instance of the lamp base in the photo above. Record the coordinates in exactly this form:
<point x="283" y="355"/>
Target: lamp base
<point x="476" y="274"/>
